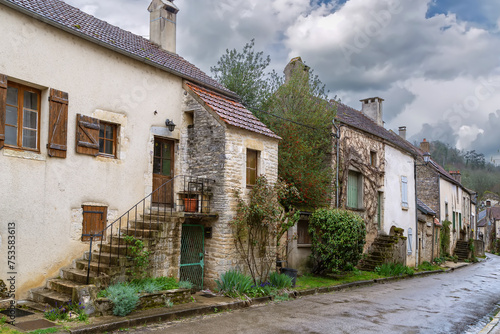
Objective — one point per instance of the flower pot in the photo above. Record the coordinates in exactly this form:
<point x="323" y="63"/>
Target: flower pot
<point x="290" y="273"/>
<point x="190" y="204"/>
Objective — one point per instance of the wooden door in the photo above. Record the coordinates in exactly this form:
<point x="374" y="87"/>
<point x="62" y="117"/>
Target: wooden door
<point x="94" y="222"/>
<point x="163" y="171"/>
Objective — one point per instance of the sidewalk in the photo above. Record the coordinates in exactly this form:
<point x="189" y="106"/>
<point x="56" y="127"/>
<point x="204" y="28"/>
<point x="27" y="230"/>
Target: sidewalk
<point x="206" y="304"/>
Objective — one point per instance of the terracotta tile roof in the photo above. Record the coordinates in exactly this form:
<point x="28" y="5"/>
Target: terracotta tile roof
<point x="424" y="208"/>
<point x="231" y="111"/>
<point x="73" y="20"/>
<point x="355" y="118"/>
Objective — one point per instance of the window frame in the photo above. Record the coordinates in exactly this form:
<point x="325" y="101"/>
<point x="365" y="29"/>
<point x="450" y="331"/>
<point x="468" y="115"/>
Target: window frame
<point x="359" y="190"/>
<point x="114" y="140"/>
<point x="20" y="116"/>
<point x="251" y="169"/>
<point x="373" y="158"/>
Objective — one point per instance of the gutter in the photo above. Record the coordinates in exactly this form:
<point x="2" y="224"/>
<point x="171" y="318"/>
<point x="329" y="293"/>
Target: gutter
<point x="113" y="48"/>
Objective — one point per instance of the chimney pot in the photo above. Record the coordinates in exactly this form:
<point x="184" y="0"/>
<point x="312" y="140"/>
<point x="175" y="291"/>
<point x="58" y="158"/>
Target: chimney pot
<point x="162" y="26"/>
<point x="402" y="132"/>
<point x="425" y="146"/>
<point x="372" y="107"/>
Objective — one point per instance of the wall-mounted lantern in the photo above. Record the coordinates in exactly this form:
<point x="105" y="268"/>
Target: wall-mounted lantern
<point x="170" y="125"/>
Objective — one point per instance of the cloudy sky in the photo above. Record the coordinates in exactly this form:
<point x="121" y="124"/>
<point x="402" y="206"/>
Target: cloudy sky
<point x="435" y="62"/>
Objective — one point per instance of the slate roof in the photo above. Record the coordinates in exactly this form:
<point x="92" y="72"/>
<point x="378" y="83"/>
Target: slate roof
<point x="358" y="120"/>
<point x="230" y="110"/>
<point x="424" y="208"/>
<point x="74" y="21"/>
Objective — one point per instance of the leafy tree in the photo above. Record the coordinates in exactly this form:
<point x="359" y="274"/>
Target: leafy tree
<point x="338" y="237"/>
<point x="260" y="224"/>
<point x="243" y="72"/>
<point x="302" y="117"/>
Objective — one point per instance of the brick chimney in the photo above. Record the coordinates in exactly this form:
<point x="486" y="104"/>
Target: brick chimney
<point x="372" y="108"/>
<point x="163" y="17"/>
<point x="296" y="66"/>
<point x="425" y="146"/>
<point x="402" y="132"/>
<point x="456" y="175"/>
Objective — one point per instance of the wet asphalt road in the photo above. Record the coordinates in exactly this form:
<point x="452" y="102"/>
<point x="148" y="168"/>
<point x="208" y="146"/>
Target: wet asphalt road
<point x="440" y="303"/>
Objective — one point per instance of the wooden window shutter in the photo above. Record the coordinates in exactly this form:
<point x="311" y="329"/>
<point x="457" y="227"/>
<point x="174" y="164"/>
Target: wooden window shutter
<point x="87" y="135"/>
<point x="58" y="124"/>
<point x="3" y="107"/>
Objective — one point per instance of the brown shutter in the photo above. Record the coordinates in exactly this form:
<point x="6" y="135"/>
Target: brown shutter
<point x="58" y="124"/>
<point x="3" y="107"/>
<point x="87" y="135"/>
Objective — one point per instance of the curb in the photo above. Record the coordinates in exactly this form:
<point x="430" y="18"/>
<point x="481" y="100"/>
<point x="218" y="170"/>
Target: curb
<point x="164" y="315"/>
<point x="489" y="327"/>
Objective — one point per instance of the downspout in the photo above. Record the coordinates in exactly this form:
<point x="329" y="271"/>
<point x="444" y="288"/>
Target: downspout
<point x="337" y="137"/>
<point x="439" y="200"/>
<point x="416" y="212"/>
<point x="433" y="239"/>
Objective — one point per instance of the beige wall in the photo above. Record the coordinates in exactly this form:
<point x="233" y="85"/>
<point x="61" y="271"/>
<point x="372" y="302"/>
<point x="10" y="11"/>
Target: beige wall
<point x="453" y="195"/>
<point x="43" y="195"/>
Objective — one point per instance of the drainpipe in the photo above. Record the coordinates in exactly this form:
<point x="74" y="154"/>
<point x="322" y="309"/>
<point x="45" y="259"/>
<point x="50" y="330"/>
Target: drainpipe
<point x="416" y="212"/>
<point x="439" y="200"/>
<point x="337" y="158"/>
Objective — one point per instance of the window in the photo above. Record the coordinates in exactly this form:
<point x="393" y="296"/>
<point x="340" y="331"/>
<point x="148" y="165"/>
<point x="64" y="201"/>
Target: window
<point x="22" y="119"/>
<point x="107" y="138"/>
<point x="453" y="214"/>
<point x="379" y="210"/>
<point x="404" y="192"/>
<point x="303" y="237"/>
<point x="460" y="221"/>
<point x="373" y="158"/>
<point x="446" y="210"/>
<point x="252" y="159"/>
<point x="354" y="190"/>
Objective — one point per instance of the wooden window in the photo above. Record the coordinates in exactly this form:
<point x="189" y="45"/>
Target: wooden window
<point x="460" y="221"/>
<point x="252" y="159"/>
<point x="379" y="210"/>
<point x="21" y="122"/>
<point x="303" y="236"/>
<point x="404" y="192"/>
<point x="3" y="107"/>
<point x="58" y="124"/>
<point x="94" y="222"/>
<point x="87" y="135"/>
<point x="373" y="158"/>
<point x="354" y="190"/>
<point x="453" y="214"/>
<point x="107" y="138"/>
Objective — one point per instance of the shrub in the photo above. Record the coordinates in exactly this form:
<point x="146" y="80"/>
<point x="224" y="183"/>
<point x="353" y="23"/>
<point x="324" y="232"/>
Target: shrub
<point x="167" y="283"/>
<point x="233" y="283"/>
<point x="280" y="281"/>
<point x="445" y="238"/>
<point x="393" y="269"/>
<point x="426" y="266"/>
<point x="124" y="299"/>
<point x="338" y="237"/>
<point x="185" y="285"/>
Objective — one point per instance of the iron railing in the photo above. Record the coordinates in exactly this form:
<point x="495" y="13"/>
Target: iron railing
<point x="193" y="198"/>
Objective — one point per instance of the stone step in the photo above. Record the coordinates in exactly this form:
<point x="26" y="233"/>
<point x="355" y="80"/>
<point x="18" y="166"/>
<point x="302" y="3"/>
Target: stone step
<point x="80" y="276"/>
<point x="62" y="285"/>
<point x="147" y="234"/>
<point x="51" y="297"/>
<point x="102" y="267"/>
<point x="161" y="217"/>
<point x="111" y="259"/>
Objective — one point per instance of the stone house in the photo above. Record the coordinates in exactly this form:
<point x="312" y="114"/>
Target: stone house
<point x="488" y="227"/>
<point x="444" y="193"/>
<point x="428" y="233"/>
<point x="92" y="120"/>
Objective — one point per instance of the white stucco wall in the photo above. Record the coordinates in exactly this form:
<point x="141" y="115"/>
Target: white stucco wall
<point x="453" y="195"/>
<point x="43" y="195"/>
<point x="398" y="164"/>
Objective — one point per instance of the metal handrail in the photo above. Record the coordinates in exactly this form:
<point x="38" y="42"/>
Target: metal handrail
<point x="201" y="183"/>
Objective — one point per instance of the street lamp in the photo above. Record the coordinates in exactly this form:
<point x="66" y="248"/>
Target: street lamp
<point x="427" y="157"/>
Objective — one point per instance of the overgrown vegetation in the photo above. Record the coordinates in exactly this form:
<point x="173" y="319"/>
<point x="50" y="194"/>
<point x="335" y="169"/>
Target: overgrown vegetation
<point x="444" y="238"/>
<point x="140" y="256"/>
<point x="67" y="312"/>
<point x="338" y="237"/>
<point x="235" y="284"/>
<point x="310" y="281"/>
<point x="260" y="224"/>
<point x="393" y="269"/>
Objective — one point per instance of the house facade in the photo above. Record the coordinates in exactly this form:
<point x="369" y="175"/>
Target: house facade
<point x="488" y="227"/>
<point x="94" y="118"/>
<point x="443" y="192"/>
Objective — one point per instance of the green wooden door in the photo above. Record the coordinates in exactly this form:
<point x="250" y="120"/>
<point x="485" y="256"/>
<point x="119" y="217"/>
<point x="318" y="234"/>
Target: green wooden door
<point x="192" y="254"/>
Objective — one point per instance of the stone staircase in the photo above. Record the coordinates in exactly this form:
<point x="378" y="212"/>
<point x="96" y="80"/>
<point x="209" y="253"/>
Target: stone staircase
<point x="462" y="250"/>
<point x="114" y="265"/>
<point x="380" y="252"/>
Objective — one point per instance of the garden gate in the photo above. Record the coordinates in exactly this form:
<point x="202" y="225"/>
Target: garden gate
<point x="192" y="254"/>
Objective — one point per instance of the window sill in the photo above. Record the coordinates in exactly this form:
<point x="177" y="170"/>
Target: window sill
<point x="405" y="208"/>
<point x="355" y="209"/>
<point x="304" y="245"/>
<point x="23" y="154"/>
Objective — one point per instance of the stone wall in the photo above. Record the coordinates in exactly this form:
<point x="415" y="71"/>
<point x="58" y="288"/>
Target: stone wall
<point x="355" y="149"/>
<point x="428" y="187"/>
<point x="217" y="151"/>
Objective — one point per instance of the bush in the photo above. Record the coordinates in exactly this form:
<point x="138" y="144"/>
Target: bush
<point x="185" y="285"/>
<point x="280" y="281"/>
<point x="233" y="283"/>
<point x="393" y="269"/>
<point x="426" y="265"/>
<point x="124" y="298"/>
<point x="338" y="237"/>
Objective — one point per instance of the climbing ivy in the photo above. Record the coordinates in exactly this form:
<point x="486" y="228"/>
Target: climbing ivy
<point x="139" y="255"/>
<point x="445" y="238"/>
